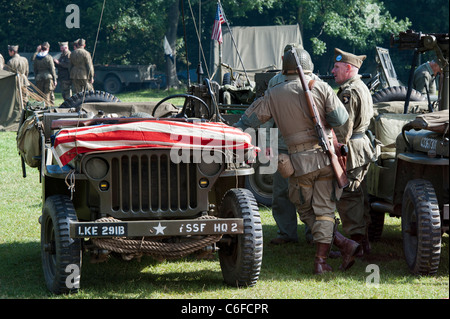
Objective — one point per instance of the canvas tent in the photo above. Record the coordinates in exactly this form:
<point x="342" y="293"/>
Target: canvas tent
<point x="10" y="101"/>
<point x="260" y="47"/>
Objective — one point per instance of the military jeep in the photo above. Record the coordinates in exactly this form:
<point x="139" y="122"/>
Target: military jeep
<point x="410" y="176"/>
<point x="135" y="179"/>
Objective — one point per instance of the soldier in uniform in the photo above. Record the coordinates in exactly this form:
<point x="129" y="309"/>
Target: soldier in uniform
<point x="62" y="64"/>
<point x="20" y="66"/>
<point x="424" y="79"/>
<point x="356" y="97"/>
<point x="283" y="210"/>
<point x="81" y="68"/>
<point x="45" y="74"/>
<point x="312" y="187"/>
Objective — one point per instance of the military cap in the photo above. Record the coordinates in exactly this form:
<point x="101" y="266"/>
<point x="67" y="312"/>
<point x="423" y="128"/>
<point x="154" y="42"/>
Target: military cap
<point x="14" y="48"/>
<point x="63" y="44"/>
<point x="342" y="56"/>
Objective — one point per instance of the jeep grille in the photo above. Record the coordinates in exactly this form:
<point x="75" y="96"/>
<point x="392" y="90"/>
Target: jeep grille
<point x="151" y="182"/>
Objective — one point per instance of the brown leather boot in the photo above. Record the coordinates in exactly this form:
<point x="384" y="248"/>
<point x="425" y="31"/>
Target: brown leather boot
<point x="348" y="249"/>
<point x="363" y="240"/>
<point x="320" y="261"/>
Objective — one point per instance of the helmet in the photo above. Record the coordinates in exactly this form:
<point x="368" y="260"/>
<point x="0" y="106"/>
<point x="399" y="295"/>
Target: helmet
<point x="289" y="62"/>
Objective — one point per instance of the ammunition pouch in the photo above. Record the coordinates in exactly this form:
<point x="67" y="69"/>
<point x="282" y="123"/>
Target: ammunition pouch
<point x="285" y="166"/>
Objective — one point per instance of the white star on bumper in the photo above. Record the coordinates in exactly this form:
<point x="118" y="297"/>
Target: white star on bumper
<point x="160" y="229"/>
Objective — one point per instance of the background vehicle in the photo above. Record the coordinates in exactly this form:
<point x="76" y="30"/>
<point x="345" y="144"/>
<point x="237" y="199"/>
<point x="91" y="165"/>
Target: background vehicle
<point x="139" y="197"/>
<point x="114" y="78"/>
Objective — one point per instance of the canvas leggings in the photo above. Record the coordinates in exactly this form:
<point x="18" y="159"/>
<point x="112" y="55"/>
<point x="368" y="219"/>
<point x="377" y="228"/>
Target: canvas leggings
<point x="315" y="195"/>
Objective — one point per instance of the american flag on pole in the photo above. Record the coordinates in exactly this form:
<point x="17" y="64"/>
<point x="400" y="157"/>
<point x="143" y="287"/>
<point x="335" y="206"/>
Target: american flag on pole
<point x="217" y="29"/>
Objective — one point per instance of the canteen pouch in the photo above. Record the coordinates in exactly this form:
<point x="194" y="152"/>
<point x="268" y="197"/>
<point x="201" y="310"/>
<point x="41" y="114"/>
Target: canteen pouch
<point x="285" y="166"/>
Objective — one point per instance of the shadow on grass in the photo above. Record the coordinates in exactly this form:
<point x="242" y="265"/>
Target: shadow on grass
<point x="21" y="273"/>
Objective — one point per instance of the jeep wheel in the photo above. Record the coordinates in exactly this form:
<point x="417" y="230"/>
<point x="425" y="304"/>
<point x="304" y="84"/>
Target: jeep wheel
<point x="241" y="255"/>
<point x="76" y="100"/>
<point x="421" y="227"/>
<point x="61" y="255"/>
<point x="261" y="185"/>
<point x="112" y="84"/>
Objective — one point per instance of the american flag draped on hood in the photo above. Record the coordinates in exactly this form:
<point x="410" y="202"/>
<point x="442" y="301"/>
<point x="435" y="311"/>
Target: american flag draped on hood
<point x="148" y="134"/>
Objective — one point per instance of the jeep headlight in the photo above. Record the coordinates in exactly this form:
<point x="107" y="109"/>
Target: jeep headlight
<point x="211" y="163"/>
<point x="96" y="168"/>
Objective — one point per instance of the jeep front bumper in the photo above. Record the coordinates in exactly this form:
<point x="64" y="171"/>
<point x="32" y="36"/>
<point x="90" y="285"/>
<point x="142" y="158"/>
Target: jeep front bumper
<point x="157" y="228"/>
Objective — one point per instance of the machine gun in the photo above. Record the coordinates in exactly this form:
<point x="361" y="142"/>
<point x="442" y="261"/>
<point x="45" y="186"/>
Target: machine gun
<point x="420" y="43"/>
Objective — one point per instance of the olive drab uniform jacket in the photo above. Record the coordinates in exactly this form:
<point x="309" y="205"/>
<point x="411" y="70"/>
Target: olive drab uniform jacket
<point x="81" y="67"/>
<point x="63" y="67"/>
<point x="357" y="100"/>
<point x="44" y="68"/>
<point x="286" y="104"/>
<point x="20" y="65"/>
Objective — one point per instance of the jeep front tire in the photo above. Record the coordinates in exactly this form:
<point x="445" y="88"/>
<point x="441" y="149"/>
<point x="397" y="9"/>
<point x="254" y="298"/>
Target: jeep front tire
<point x="61" y="255"/>
<point x="241" y="255"/>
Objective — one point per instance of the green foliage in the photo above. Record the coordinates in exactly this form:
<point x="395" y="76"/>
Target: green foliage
<point x="361" y="24"/>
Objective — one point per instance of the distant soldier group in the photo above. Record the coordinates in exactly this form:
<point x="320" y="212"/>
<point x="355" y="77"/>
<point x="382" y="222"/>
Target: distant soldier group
<point x="75" y="69"/>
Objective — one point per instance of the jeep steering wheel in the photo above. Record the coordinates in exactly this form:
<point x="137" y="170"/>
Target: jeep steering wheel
<point x="188" y="98"/>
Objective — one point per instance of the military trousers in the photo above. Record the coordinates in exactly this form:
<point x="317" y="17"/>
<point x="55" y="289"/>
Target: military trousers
<point x="353" y="206"/>
<point x="47" y="87"/>
<point x="81" y="85"/>
<point x="283" y="210"/>
<point x="66" y="88"/>
<point x="315" y="195"/>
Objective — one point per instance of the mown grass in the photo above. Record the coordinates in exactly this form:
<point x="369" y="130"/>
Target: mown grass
<point x="286" y="271"/>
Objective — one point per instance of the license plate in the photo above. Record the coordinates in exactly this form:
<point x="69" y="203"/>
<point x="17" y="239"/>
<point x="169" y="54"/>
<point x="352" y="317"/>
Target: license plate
<point x="101" y="230"/>
<point x="183" y="227"/>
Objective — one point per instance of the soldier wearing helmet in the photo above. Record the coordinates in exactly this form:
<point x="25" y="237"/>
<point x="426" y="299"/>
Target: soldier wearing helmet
<point x="356" y="97"/>
<point x="283" y="210"/>
<point x="312" y="186"/>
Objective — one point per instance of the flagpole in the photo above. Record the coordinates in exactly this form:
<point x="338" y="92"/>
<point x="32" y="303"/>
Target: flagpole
<point x="220" y="63"/>
<point x="234" y="43"/>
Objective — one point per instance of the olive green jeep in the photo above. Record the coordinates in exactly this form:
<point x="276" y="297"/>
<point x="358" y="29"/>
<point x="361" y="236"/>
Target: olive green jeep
<point x="409" y="178"/>
<point x="117" y="181"/>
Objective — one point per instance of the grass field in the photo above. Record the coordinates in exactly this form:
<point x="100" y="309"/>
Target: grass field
<point x="286" y="271"/>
